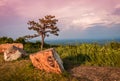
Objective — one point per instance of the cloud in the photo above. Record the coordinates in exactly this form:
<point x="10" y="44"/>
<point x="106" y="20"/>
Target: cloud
<point x="100" y="31"/>
<point x="72" y="14"/>
<point x="116" y="11"/>
<point x="81" y="13"/>
<point x="1" y="3"/>
<point x="89" y="13"/>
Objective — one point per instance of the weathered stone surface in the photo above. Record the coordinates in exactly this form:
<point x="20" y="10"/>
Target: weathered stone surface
<point x="47" y="60"/>
<point x="13" y="53"/>
<point x="3" y="47"/>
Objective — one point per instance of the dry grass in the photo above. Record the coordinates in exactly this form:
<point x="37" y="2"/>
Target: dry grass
<point x="22" y="70"/>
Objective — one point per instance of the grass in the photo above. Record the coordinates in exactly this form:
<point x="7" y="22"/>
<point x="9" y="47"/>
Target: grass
<point x="91" y="54"/>
<point x="23" y="70"/>
<point x="72" y="56"/>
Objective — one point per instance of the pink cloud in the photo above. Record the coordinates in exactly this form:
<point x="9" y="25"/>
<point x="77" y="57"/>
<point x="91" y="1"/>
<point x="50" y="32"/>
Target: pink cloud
<point x="79" y="13"/>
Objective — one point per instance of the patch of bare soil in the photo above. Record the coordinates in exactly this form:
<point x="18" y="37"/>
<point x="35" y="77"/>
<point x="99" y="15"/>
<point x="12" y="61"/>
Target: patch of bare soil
<point x="93" y="73"/>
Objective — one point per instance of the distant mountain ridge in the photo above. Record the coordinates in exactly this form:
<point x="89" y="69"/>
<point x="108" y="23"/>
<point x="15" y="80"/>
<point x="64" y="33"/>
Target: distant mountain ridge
<point x="78" y="41"/>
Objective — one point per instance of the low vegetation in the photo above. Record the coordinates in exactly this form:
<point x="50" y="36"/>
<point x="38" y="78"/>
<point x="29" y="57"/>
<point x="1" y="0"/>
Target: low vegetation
<point x="72" y="55"/>
<point x="22" y="70"/>
<point x="91" y="54"/>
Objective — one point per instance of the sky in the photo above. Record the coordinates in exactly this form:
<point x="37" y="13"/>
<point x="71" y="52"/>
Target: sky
<point x="77" y="19"/>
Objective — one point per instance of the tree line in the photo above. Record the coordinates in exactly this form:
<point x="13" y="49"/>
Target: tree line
<point x="5" y="39"/>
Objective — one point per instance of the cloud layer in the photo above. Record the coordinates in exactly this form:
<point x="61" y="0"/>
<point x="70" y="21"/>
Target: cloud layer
<point x="72" y="14"/>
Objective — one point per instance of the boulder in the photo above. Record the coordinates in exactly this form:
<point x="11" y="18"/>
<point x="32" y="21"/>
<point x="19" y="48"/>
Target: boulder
<point x="13" y="53"/>
<point x="3" y="47"/>
<point x="47" y="60"/>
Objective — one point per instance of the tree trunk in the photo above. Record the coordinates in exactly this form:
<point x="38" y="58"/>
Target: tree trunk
<point x="42" y="42"/>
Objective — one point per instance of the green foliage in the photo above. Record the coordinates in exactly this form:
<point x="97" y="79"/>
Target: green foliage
<point x="84" y="54"/>
<point x="31" y="47"/>
<point x="90" y="54"/>
<point x="113" y="45"/>
<point x="20" y="40"/>
<point x="6" y="40"/>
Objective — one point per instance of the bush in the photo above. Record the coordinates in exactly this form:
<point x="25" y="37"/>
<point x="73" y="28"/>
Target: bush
<point x="6" y="40"/>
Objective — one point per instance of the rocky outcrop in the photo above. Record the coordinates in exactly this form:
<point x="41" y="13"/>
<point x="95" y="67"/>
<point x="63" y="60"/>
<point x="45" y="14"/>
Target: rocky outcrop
<point x="47" y="60"/>
<point x="13" y="53"/>
<point x="3" y="47"/>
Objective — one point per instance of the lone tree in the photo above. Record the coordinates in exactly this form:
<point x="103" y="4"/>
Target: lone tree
<point x="43" y="27"/>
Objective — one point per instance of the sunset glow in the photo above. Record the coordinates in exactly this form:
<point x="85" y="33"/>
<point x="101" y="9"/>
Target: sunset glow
<point x="77" y="18"/>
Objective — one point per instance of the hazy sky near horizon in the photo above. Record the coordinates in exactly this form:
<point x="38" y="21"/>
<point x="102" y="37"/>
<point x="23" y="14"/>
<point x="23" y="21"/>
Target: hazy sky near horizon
<point x="77" y="18"/>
